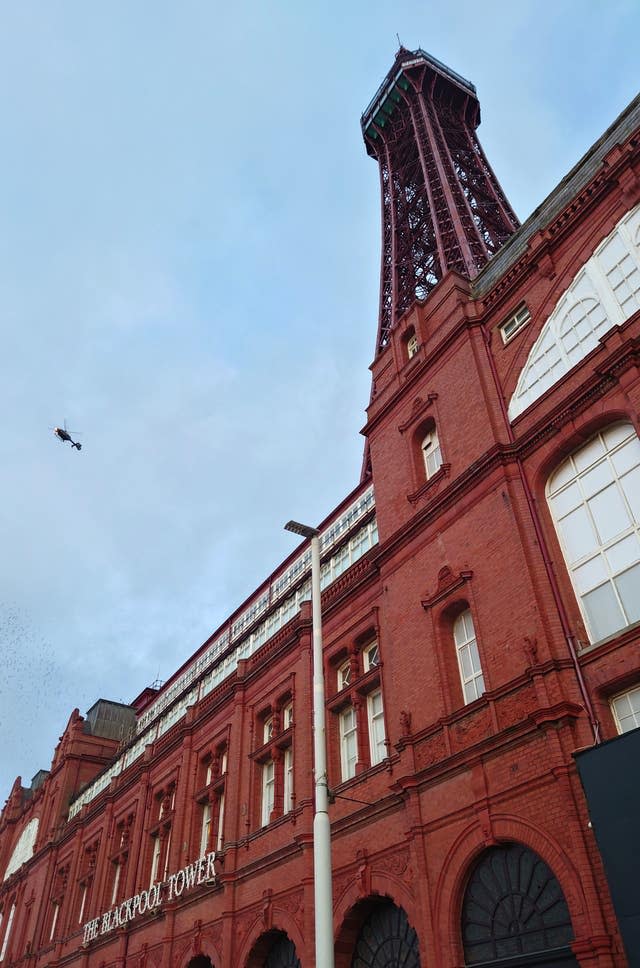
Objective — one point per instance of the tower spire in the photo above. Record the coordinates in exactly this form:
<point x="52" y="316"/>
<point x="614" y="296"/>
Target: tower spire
<point x="442" y="206"/>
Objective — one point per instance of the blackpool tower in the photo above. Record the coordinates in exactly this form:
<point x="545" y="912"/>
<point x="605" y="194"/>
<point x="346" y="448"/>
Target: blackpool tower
<point x="442" y="206"/>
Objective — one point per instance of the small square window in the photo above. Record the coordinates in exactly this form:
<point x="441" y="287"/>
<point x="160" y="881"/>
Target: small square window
<point x="412" y="346"/>
<point x="626" y="710"/>
<point x="344" y="675"/>
<point x="514" y="323"/>
<point x="371" y="657"/>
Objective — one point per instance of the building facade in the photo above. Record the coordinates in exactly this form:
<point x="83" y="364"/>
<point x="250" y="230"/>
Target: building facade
<point x="481" y="610"/>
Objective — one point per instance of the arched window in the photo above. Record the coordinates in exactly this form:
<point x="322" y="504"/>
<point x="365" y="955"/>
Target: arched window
<point x="604" y="293"/>
<point x="471" y="676"/>
<point x="514" y="910"/>
<point x="594" y="498"/>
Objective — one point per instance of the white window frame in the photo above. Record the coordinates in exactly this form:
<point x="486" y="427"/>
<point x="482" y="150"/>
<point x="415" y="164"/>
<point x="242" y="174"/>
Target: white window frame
<point x="287" y="716"/>
<point x="348" y="742"/>
<point x="377" y="733"/>
<point x="431" y="453"/>
<point x="268" y="791"/>
<point x="595" y="570"/>
<point x="626" y="710"/>
<point x="469" y="665"/>
<point x="267" y="730"/>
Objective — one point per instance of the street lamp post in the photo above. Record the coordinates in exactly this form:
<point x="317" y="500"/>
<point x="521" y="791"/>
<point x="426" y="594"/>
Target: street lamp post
<point x="323" y="894"/>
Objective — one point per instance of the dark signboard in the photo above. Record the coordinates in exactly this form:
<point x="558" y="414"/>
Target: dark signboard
<point x="610" y="775"/>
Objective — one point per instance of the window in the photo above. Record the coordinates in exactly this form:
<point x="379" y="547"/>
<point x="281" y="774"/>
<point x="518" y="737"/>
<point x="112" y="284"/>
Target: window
<point x="605" y="292"/>
<point x="54" y="920"/>
<point x="412" y="346"/>
<point x="468" y="658"/>
<point x="376" y="727"/>
<point x="268" y="791"/>
<point x="431" y="453"/>
<point x="344" y="675"/>
<point x="626" y="710"/>
<point x="267" y="730"/>
<point x="594" y="498"/>
<point x="514" y="324"/>
<point x="8" y="931"/>
<point x="83" y="901"/>
<point x="348" y="742"/>
<point x="371" y="657"/>
<point x="220" y="835"/>
<point x="161" y="835"/>
<point x="210" y="800"/>
<point x="287" y="716"/>
<point x="205" y="830"/>
<point x="155" y="861"/>
<point x="288" y="780"/>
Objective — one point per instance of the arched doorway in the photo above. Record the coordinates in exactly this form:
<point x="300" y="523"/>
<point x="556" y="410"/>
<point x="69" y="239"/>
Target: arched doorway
<point x="386" y="939"/>
<point x="200" y="961"/>
<point x="283" y="954"/>
<point x="514" y="912"/>
<point x="275" y="949"/>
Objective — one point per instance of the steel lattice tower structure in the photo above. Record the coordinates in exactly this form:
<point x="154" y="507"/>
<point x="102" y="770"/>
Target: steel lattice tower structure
<point x="442" y="205"/>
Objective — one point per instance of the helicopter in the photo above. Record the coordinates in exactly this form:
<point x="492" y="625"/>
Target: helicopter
<point x="64" y="435"/>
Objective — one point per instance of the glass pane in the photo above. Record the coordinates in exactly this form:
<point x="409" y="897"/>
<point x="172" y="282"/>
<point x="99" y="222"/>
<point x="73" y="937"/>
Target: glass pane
<point x="627" y="457"/>
<point x="577" y="532"/>
<point x="623" y="554"/>
<point x="590" y="574"/>
<point x="459" y="632"/>
<point x="475" y="658"/>
<point x="375" y="702"/>
<point x="588" y="454"/>
<point x="564" y="474"/>
<point x="469" y="691"/>
<point x="609" y="513"/>
<point x="634" y="700"/>
<point x="465" y="662"/>
<point x="631" y="487"/>
<point x="616" y="434"/>
<point x="628" y="585"/>
<point x="567" y="500"/>
<point x="596" y="478"/>
<point x="603" y="612"/>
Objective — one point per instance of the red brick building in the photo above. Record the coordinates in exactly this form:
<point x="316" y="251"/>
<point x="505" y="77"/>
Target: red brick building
<point x="480" y="616"/>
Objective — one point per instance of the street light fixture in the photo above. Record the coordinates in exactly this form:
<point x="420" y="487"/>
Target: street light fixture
<point x="323" y="893"/>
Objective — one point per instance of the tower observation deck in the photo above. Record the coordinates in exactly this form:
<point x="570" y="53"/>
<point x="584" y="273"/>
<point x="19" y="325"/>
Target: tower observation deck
<point x="442" y="205"/>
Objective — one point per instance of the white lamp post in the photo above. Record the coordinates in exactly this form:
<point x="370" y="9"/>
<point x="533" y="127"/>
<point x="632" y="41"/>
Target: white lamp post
<point x="321" y="829"/>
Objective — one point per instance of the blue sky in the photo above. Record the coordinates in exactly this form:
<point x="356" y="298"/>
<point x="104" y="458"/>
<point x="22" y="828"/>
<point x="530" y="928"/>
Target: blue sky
<point x="189" y="274"/>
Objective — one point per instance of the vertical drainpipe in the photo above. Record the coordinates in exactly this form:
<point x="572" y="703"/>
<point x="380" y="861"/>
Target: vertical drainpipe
<point x="546" y="557"/>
